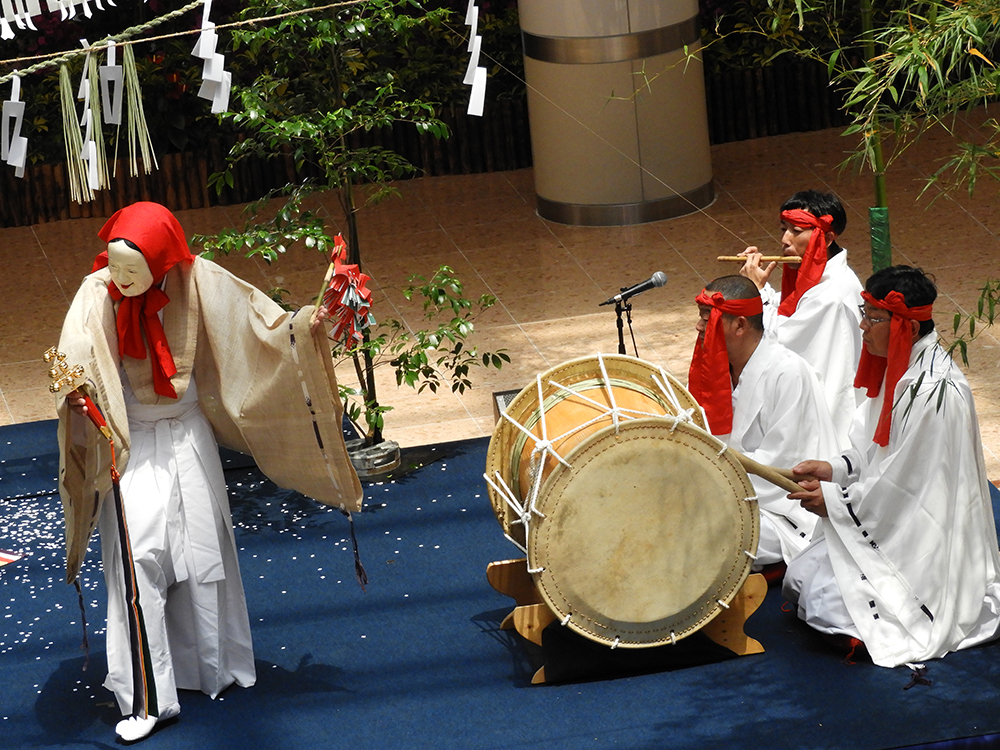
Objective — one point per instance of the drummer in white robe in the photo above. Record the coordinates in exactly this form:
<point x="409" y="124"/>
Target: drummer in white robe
<point x="762" y="400"/>
<point x="908" y="561"/>
<point x="149" y="320"/>
<point x="816" y="313"/>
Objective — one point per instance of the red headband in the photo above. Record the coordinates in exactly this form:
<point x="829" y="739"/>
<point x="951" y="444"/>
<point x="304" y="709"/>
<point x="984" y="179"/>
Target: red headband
<point x="708" y="379"/>
<point x="872" y="368"/>
<point x="797" y="281"/>
<point x="160" y="238"/>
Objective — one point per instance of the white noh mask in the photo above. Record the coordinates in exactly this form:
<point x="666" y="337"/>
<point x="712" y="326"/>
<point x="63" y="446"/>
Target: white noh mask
<point x="129" y="269"/>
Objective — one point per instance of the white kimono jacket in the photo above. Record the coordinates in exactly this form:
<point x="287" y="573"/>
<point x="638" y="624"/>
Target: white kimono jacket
<point x="910" y="536"/>
<point x="824" y="332"/>
<point x="780" y="418"/>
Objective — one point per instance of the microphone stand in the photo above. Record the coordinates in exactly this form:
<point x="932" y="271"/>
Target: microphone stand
<point x="627" y="307"/>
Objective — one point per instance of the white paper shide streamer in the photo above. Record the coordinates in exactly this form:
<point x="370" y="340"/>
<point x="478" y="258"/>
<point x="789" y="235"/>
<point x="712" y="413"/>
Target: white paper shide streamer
<point x="216" y="81"/>
<point x="112" y="88"/>
<point x="89" y="153"/>
<point x="19" y="12"/>
<point x="475" y="75"/>
<point x="13" y="146"/>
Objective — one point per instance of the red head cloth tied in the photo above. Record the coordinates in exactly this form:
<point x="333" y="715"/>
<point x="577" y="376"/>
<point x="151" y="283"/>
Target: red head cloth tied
<point x="708" y="379"/>
<point x="160" y="238"/>
<point x="797" y="281"/>
<point x="872" y="369"/>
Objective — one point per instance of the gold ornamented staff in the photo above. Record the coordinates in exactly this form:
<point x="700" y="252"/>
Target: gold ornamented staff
<point x="63" y="375"/>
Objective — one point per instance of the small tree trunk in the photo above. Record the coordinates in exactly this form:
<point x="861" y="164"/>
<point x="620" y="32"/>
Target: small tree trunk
<point x="367" y="378"/>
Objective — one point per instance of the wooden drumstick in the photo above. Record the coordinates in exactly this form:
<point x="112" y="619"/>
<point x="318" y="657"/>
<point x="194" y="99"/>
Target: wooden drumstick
<point x="763" y="259"/>
<point x="781" y="477"/>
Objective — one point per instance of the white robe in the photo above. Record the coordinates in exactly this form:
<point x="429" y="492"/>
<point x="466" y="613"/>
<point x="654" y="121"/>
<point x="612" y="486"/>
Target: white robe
<point x="910" y="542"/>
<point x="780" y="418"/>
<point x="824" y="331"/>
<point x="181" y="531"/>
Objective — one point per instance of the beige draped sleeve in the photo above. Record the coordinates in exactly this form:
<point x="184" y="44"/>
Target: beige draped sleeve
<point x="268" y="387"/>
<point x="266" y="384"/>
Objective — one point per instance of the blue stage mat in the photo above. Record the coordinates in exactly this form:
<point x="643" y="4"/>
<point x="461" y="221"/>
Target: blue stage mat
<point x="418" y="660"/>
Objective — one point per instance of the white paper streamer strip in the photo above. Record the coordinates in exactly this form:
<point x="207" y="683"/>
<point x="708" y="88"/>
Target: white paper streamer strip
<point x="215" y="81"/>
<point x="470" y="71"/>
<point x="89" y="152"/>
<point x="478" y="98"/>
<point x="473" y="27"/>
<point x="13" y="146"/>
<point x="112" y="88"/>
<point x="475" y="75"/>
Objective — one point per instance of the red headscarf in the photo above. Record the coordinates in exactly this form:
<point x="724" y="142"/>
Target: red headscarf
<point x="708" y="379"/>
<point x="160" y="238"/>
<point x="797" y="281"/>
<point x="872" y="369"/>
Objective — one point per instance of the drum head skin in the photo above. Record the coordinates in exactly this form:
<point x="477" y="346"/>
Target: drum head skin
<point x="645" y="535"/>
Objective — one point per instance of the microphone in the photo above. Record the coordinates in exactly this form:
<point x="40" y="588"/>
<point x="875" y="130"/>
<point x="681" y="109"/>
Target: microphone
<point x="657" y="279"/>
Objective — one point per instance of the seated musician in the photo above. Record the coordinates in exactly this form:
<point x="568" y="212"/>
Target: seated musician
<point x="817" y="315"/>
<point x="907" y="562"/>
<point x="762" y="400"/>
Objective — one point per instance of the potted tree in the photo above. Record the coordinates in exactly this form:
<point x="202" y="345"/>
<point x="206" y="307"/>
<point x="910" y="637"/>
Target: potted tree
<point x="308" y="86"/>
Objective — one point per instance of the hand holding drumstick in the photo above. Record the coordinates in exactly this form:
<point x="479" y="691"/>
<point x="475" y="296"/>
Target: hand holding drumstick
<point x="809" y="475"/>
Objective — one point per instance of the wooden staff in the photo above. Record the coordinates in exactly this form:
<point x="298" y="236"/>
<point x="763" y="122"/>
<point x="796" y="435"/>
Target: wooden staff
<point x="783" y="478"/>
<point x="763" y="259"/>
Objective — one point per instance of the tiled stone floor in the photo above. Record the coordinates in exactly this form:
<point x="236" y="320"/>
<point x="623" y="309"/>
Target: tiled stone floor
<point x="549" y="278"/>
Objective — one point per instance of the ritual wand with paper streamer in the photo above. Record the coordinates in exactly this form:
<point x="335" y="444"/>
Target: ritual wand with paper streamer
<point x="347" y="301"/>
<point x="144" y="692"/>
<point x="345" y="297"/>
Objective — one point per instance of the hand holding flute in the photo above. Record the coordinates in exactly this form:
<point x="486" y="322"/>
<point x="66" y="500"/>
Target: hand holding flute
<point x="752" y="268"/>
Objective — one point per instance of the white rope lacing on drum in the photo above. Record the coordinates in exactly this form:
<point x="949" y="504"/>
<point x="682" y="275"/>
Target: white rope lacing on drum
<point x="544" y="444"/>
<point x="617" y="641"/>
<point x="722" y="604"/>
<point x="565" y="621"/>
<point x="516" y="543"/>
<point x="667" y="388"/>
<point x="542" y="449"/>
<point x="750" y="554"/>
<point x="680" y="418"/>
<point x="523" y="512"/>
<point x="615" y="412"/>
<point x="673" y="638"/>
<point x="605" y="411"/>
<point x="610" y="392"/>
<point x="751" y="499"/>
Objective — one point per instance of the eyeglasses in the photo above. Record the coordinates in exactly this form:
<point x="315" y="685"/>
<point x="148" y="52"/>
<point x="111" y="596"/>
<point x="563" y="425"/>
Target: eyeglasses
<point x="871" y="321"/>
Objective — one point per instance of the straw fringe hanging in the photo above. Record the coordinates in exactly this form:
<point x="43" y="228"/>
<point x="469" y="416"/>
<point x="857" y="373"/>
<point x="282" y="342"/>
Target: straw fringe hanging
<point x="96" y="123"/>
<point x="79" y="186"/>
<point x="138" y="133"/>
